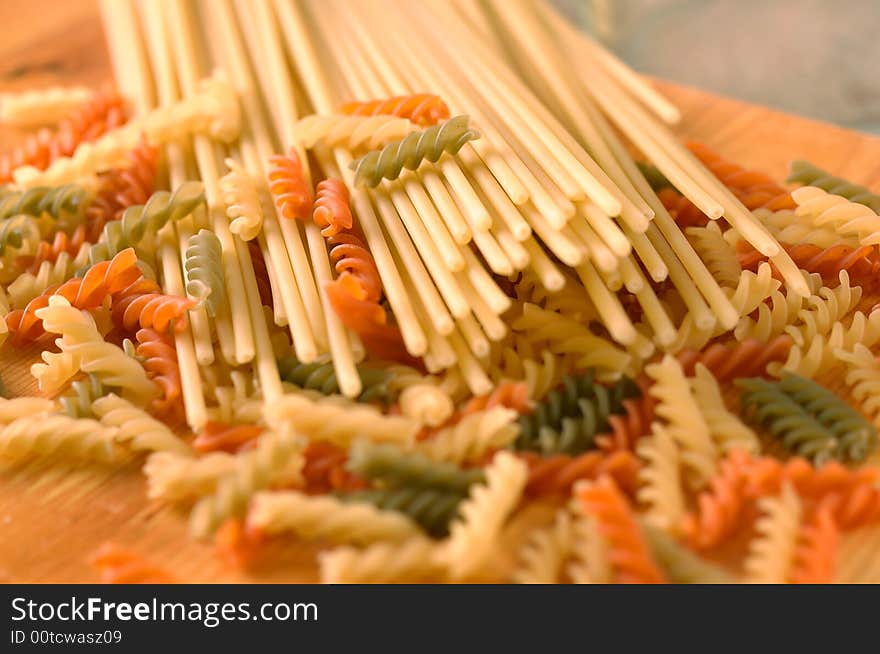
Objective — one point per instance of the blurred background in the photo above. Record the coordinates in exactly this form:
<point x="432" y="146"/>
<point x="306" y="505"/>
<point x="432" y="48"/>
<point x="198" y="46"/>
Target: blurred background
<point x="817" y="58"/>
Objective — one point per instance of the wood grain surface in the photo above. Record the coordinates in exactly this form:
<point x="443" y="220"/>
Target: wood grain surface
<point x="53" y="516"/>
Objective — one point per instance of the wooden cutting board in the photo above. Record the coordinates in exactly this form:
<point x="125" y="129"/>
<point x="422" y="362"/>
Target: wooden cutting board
<point x="52" y="516"/>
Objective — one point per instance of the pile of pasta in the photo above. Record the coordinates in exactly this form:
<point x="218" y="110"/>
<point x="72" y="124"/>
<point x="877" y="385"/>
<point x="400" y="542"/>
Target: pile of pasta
<point x="399" y="279"/>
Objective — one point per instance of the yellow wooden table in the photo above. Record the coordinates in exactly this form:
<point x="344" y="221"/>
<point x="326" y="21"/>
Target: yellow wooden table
<point x="53" y="517"/>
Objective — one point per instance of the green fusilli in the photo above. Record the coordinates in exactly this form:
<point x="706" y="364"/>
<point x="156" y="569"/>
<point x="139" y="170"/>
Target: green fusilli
<point x="765" y="403"/>
<point x="57" y="201"/>
<point x="16" y="231"/>
<point x="856" y="437"/>
<point x="394" y="467"/>
<point x="432" y="509"/>
<point x="142" y="220"/>
<point x="321" y="377"/>
<point x="429" y="144"/>
<point x="568" y="418"/>
<point x="808" y="174"/>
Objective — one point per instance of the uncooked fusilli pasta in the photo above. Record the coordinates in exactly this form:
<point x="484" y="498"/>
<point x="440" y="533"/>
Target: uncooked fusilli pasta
<point x="410" y="152"/>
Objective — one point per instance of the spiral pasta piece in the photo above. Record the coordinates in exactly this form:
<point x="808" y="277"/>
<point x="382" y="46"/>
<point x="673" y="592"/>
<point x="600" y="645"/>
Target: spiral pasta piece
<point x="217" y="435"/>
<point x="276" y="462"/>
<point x="773" y="317"/>
<point x="628" y="552"/>
<point x="473" y="437"/>
<point x="205" y="280"/>
<point x="716" y="253"/>
<point x="59" y="201"/>
<point x="177" y="478"/>
<point x="83" y="348"/>
<point x="661" y="488"/>
<point x="117" y="565"/>
<point x="721" y="507"/>
<point x="412" y="560"/>
<point x="332" y="212"/>
<point x="394" y="467"/>
<point x="17" y="232"/>
<point x="815" y="558"/>
<point x="677" y="407"/>
<point x="851" y="495"/>
<point x="725" y="427"/>
<point x="863" y="378"/>
<point x="327" y="518"/>
<point x="368" y="320"/>
<point x="21" y="407"/>
<point x="772" y="551"/>
<point x="351" y="132"/>
<point x="77" y="402"/>
<point x="29" y="285"/>
<point x="813" y="351"/>
<point x="860" y="263"/>
<point x="482" y="515"/>
<point x="158" y="355"/>
<point x="728" y="361"/>
<point x="433" y="509"/>
<point x="338" y="420"/>
<point x="102" y="112"/>
<point x="421" y="108"/>
<point x="568" y="419"/>
<point x="135" y="428"/>
<point x="141" y="221"/>
<point x="152" y="311"/>
<point x="36" y="107"/>
<point x="120" y="188"/>
<point x="411" y="151"/>
<point x="755" y="190"/>
<point x="510" y="394"/>
<point x="289" y="188"/>
<point x="540" y="377"/>
<point x="844" y="216"/>
<point x="101" y="281"/>
<point x="321" y="376"/>
<point x="41" y="435"/>
<point x="571" y="300"/>
<point x="589" y="562"/>
<point x="355" y="266"/>
<point x="213" y="111"/>
<point x="242" y="199"/>
<point x="324" y="469"/>
<point x="753" y="289"/>
<point x="630" y="425"/>
<point x="808" y="174"/>
<point x="51" y="250"/>
<point x="787" y="227"/>
<point x="768" y="404"/>
<point x="827" y="308"/>
<point x="543" y="557"/>
<point x="856" y="437"/>
<point x="564" y="336"/>
<point x="678" y="563"/>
